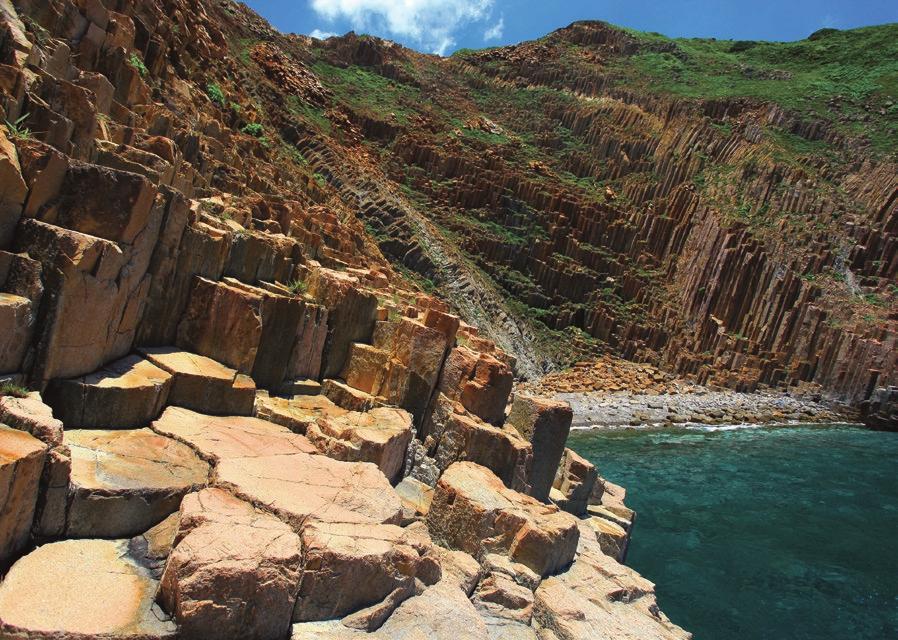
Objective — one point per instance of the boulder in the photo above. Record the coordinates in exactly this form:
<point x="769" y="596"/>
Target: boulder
<point x="81" y="590"/>
<point x="575" y="479"/>
<point x="479" y="381"/>
<point x="347" y="397"/>
<point x="17" y="319"/>
<point x="202" y="384"/>
<point x="600" y="598"/>
<point x="301" y="488"/>
<point x="349" y="566"/>
<point x="545" y="424"/>
<point x="380" y="436"/>
<point x="442" y="612"/>
<point x="216" y="438"/>
<point x="452" y="434"/>
<point x="350" y="317"/>
<point x="128" y="393"/>
<point x="415" y="496"/>
<point x="30" y="414"/>
<point x="21" y="463"/>
<point x="297" y="412"/>
<point x="124" y="482"/>
<point x="474" y="512"/>
<point x="234" y="571"/>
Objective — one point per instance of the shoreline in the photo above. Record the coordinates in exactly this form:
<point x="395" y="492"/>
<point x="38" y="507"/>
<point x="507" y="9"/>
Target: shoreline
<point x="696" y="408"/>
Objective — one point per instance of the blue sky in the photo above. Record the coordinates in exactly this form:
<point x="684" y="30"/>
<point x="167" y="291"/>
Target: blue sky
<point x="442" y="26"/>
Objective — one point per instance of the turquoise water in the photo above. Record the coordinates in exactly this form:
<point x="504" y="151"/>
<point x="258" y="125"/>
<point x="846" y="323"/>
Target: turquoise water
<point x="774" y="533"/>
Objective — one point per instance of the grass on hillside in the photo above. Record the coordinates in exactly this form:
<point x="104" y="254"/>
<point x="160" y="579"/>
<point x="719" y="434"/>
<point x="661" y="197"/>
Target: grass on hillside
<point x="849" y="78"/>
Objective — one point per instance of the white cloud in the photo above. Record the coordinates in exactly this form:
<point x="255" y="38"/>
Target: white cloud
<point x="322" y="35"/>
<point x="495" y="32"/>
<point x="431" y="24"/>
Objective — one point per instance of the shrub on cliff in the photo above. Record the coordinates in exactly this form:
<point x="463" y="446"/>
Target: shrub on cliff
<point x="215" y="94"/>
<point x="253" y="129"/>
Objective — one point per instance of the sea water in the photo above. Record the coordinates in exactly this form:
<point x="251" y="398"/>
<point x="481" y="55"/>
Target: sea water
<point x="784" y="533"/>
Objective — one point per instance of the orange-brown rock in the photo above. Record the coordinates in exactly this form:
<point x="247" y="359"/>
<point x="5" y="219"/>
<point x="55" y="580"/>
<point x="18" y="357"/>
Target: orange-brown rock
<point x="297" y="412"/>
<point x="451" y="435"/>
<point x="125" y="481"/>
<point x="474" y="512"/>
<point x="234" y="571"/>
<point x="21" y="463"/>
<point x="127" y="393"/>
<point x="217" y="438"/>
<point x="545" y="424"/>
<point x="202" y="384"/>
<point x="302" y="488"/>
<point x="479" y="381"/>
<point x="106" y="593"/>
<point x="575" y="480"/>
<point x="380" y="436"/>
<point x="349" y="566"/>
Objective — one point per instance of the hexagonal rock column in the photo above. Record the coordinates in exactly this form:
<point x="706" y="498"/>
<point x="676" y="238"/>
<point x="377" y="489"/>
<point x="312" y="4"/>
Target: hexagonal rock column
<point x="296" y="412"/>
<point x="545" y="424"/>
<point x="574" y="481"/>
<point x="301" y="488"/>
<point x="474" y="512"/>
<point x="124" y="482"/>
<point x="234" y="572"/>
<point x="380" y="436"/>
<point x="21" y="463"/>
<point x="216" y="438"/>
<point x="351" y="566"/>
<point x="80" y="589"/>
<point x="128" y="393"/>
<point x="203" y="384"/>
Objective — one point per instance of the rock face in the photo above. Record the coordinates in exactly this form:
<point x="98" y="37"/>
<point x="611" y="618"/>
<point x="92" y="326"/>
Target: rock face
<point x="380" y="436"/>
<point x="545" y="424"/>
<point x="474" y="512"/>
<point x="81" y="574"/>
<point x="234" y="571"/>
<point x="21" y="463"/>
<point x="124" y="482"/>
<point x="129" y="393"/>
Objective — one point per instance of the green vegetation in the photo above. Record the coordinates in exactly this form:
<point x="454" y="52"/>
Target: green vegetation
<point x="849" y="78"/>
<point x="297" y="287"/>
<point x="135" y="61"/>
<point x="17" y="130"/>
<point x="320" y="180"/>
<point x="254" y="129"/>
<point x="215" y="94"/>
<point x="14" y="390"/>
<point x="370" y="93"/>
<point x="309" y="113"/>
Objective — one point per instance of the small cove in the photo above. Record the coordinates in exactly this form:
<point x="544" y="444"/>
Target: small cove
<point x="762" y="533"/>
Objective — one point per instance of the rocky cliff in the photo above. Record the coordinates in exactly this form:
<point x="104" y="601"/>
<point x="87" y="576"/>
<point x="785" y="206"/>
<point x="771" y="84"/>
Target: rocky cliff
<point x="224" y="412"/>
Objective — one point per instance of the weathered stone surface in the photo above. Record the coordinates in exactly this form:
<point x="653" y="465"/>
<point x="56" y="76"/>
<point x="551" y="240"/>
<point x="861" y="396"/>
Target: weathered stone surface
<point x="442" y="612"/>
<point x="451" y="435"/>
<point x="234" y="572"/>
<point x="202" y="384"/>
<point x="297" y="412"/>
<point x="506" y="608"/>
<point x="13" y="189"/>
<point x="600" y="598"/>
<point x="21" y="463"/>
<point x="350" y="315"/>
<point x="613" y="539"/>
<point x="415" y="495"/>
<point x="380" y="436"/>
<point x="124" y="482"/>
<point x="152" y="547"/>
<point x="95" y="289"/>
<point x="348" y="397"/>
<point x="349" y="566"/>
<point x="545" y="424"/>
<point x="479" y="381"/>
<point x="32" y="415"/>
<point x="81" y="590"/>
<point x="575" y="479"/>
<point x="302" y="488"/>
<point x="128" y="393"/>
<point x="17" y="318"/>
<point x="460" y="569"/>
<point x="217" y="438"/>
<point x="474" y="512"/>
